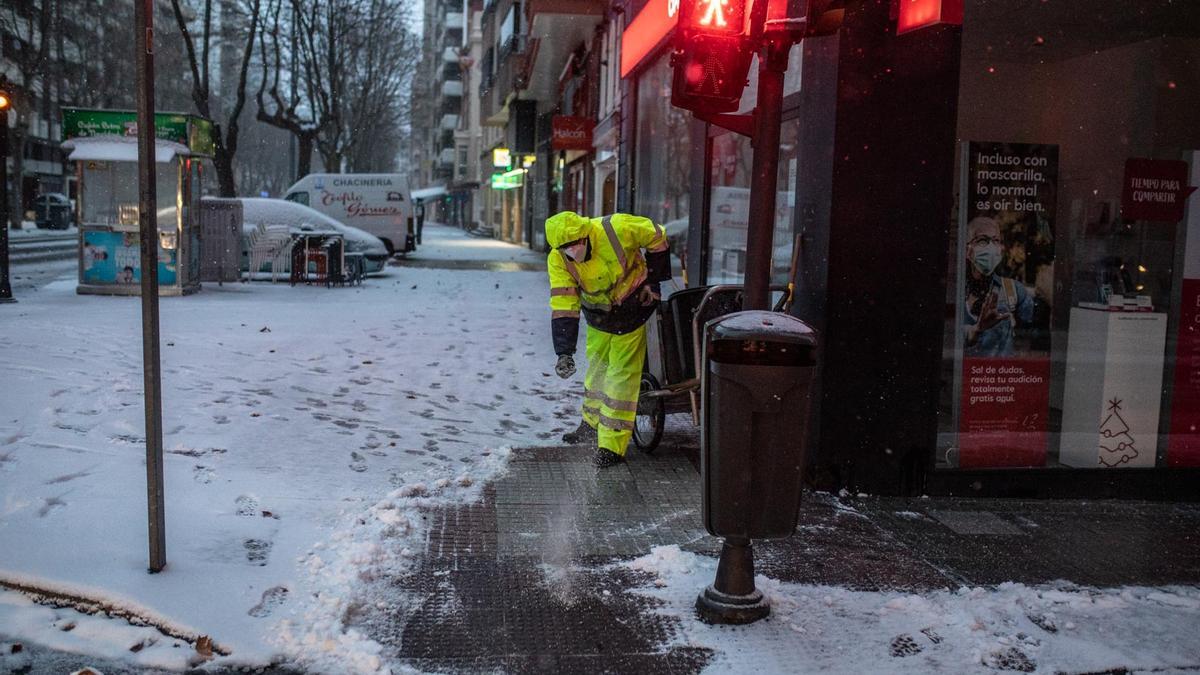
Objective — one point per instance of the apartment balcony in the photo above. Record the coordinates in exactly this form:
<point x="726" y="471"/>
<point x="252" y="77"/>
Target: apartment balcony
<point x="452" y="89"/>
<point x="505" y="72"/>
<point x="446" y="158"/>
<point x="452" y="28"/>
<point x="449" y="122"/>
<point x="450" y="55"/>
<point x="556" y="29"/>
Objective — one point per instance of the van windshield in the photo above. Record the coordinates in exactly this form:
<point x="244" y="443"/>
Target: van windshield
<point x="299" y="197"/>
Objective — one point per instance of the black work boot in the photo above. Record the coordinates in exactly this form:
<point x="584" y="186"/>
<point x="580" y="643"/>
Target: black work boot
<point x="584" y="435"/>
<point x="605" y="458"/>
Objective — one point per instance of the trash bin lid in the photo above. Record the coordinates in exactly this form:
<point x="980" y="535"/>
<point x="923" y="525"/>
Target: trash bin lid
<point x="763" y="326"/>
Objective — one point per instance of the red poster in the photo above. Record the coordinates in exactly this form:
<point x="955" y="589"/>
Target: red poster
<point x="1183" y="447"/>
<point x="1155" y="189"/>
<point x="1005" y="403"/>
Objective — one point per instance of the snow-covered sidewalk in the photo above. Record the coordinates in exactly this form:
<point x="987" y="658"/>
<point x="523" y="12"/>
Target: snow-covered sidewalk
<point x="288" y="414"/>
<point x="1053" y="628"/>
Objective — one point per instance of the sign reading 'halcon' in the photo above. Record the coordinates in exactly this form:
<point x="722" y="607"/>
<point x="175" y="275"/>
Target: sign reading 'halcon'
<point x="571" y="133"/>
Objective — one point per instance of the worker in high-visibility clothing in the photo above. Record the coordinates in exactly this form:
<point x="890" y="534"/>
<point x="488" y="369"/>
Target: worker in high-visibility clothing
<point x="597" y="266"/>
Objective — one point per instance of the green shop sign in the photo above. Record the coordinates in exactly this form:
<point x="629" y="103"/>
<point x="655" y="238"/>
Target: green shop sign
<point x="509" y="180"/>
<point x="191" y="130"/>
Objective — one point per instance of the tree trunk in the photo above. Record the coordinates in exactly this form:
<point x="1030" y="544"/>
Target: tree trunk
<point x="304" y="155"/>
<point x="223" y="163"/>
<point x="332" y="160"/>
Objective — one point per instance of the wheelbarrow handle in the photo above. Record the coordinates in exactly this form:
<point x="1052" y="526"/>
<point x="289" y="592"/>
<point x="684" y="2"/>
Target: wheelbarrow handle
<point x="697" y="346"/>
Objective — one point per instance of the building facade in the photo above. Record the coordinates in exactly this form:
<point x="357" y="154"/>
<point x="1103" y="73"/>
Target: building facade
<point x="991" y="214"/>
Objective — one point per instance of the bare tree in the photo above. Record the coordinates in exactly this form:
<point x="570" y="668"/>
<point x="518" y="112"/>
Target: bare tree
<point x="225" y="142"/>
<point x="355" y="60"/>
<point x="28" y="24"/>
<point x="98" y="73"/>
<point x="282" y="102"/>
<point x="384" y="63"/>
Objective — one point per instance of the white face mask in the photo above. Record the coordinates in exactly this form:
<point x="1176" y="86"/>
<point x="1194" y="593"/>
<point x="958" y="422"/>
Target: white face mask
<point x="576" y="252"/>
<point x="987" y="258"/>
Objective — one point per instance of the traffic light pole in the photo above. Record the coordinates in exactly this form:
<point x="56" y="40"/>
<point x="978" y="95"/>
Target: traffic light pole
<point x="148" y="228"/>
<point x="6" y="295"/>
<point x="773" y="60"/>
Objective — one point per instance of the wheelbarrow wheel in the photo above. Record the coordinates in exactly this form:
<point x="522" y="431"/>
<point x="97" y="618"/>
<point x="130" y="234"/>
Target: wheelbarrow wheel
<point x="651" y="417"/>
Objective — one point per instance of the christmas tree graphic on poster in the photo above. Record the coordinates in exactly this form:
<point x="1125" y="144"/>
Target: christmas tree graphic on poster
<point x="1117" y="445"/>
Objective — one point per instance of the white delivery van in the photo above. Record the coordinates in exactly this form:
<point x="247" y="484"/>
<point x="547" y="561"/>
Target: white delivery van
<point x="378" y="203"/>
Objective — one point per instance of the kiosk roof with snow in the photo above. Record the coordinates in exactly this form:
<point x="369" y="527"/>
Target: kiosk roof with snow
<point x="111" y="135"/>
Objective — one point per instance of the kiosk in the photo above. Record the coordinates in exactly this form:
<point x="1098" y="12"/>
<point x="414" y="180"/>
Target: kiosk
<point x="103" y="145"/>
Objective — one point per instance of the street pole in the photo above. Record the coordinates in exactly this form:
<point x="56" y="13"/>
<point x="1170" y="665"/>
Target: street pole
<point x="773" y="60"/>
<point x="6" y="295"/>
<point x="148" y="226"/>
<point x="732" y="598"/>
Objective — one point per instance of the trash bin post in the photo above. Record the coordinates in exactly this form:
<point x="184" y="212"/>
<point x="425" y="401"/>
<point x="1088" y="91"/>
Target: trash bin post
<point x="732" y="597"/>
<point x="756" y="381"/>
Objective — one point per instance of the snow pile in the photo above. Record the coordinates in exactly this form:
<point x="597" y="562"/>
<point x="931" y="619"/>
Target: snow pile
<point x="344" y="574"/>
<point x="1013" y="627"/>
<point x="95" y="635"/>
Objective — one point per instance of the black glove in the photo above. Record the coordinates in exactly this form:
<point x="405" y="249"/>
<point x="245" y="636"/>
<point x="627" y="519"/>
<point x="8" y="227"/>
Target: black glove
<point x="565" y="366"/>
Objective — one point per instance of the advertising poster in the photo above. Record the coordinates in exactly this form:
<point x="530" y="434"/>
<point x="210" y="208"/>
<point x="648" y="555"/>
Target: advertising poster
<point x="115" y="258"/>
<point x="1005" y="272"/>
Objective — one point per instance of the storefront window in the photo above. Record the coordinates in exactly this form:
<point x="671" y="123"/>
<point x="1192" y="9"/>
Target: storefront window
<point x="1071" y="340"/>
<point x="729" y="206"/>
<point x="110" y="194"/>
<point x="663" y="150"/>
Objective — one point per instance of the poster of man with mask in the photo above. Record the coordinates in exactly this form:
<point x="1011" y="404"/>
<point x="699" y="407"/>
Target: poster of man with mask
<point x="1005" y="272"/>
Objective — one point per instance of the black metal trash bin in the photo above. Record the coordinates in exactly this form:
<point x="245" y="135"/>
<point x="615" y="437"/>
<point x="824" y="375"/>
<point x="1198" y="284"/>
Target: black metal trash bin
<point x="756" y="389"/>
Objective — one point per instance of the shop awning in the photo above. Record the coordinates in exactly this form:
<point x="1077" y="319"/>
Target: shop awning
<point x="119" y="149"/>
<point x="429" y="192"/>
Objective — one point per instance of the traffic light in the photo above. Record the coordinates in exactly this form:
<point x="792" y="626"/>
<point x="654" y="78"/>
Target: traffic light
<point x="712" y="55"/>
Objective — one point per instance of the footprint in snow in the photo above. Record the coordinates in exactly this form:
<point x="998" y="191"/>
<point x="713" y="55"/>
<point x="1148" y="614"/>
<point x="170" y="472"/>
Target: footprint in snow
<point x="904" y="645"/>
<point x="49" y="504"/>
<point x="257" y="551"/>
<point x="247" y="505"/>
<point x="1010" y="658"/>
<point x="358" y="463"/>
<point x="203" y="475"/>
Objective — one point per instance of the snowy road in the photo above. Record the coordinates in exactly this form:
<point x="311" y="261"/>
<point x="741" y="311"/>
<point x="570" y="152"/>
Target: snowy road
<point x="287" y="411"/>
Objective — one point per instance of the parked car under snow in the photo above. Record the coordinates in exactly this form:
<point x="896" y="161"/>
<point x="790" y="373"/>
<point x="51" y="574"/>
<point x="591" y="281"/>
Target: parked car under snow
<point x="300" y="218"/>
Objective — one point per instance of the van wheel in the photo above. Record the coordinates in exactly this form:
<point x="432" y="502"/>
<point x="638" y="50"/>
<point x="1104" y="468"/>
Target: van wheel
<point x="391" y="248"/>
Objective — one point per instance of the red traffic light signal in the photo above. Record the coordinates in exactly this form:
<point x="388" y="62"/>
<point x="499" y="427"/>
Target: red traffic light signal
<point x="713" y="17"/>
<point x="712" y="55"/>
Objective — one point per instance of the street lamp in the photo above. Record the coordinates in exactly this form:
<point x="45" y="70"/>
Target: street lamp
<point x="6" y="295"/>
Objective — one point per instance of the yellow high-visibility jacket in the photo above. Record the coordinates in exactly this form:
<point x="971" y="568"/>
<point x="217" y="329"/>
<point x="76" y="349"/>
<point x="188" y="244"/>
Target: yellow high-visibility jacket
<point x="612" y="273"/>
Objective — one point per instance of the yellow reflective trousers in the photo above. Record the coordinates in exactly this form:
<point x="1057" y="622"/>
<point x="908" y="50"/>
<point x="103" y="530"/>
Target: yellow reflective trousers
<point x="612" y="383"/>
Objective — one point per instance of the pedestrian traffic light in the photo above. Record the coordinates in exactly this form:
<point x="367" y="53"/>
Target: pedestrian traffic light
<point x="712" y="55"/>
<point x="4" y="101"/>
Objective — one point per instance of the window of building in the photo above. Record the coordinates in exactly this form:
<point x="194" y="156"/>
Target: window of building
<point x="662" y="150"/>
<point x="1074" y="266"/>
<point x="729" y="206"/>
